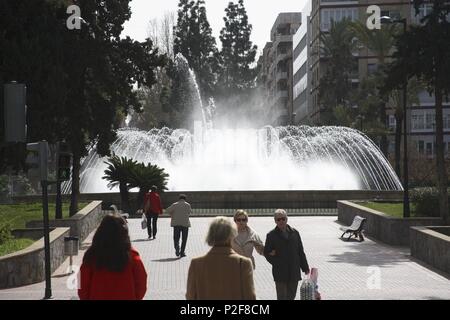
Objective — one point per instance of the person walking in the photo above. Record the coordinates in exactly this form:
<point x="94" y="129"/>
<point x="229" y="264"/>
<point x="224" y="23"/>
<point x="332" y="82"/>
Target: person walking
<point x="246" y="239"/>
<point x="284" y="251"/>
<point x="111" y="268"/>
<point x="152" y="209"/>
<point x="221" y="274"/>
<point x="179" y="213"/>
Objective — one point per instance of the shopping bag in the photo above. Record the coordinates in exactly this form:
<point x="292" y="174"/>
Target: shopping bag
<point x="309" y="287"/>
<point x="144" y="222"/>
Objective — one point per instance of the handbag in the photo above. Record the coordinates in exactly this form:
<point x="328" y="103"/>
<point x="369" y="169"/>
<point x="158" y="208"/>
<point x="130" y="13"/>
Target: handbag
<point x="144" y="221"/>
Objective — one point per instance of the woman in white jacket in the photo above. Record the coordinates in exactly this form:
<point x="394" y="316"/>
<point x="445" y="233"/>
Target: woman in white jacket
<point x="247" y="239"/>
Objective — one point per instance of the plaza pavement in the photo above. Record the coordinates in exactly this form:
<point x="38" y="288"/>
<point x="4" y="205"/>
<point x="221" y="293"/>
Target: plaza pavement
<point x="347" y="270"/>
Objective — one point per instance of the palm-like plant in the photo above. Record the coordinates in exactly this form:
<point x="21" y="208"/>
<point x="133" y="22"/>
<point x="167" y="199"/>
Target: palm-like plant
<point x="145" y="176"/>
<point x="118" y="173"/>
<point x="395" y="103"/>
<point x="337" y="48"/>
<point x="379" y="42"/>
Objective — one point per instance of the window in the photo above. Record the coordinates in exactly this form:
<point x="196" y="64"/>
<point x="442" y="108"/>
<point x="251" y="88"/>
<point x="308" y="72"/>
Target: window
<point x="418" y="122"/>
<point x="446" y="121"/>
<point x="429" y="150"/>
<point x="421" y="145"/>
<point x="371" y="68"/>
<point x="429" y="121"/>
<point x="391" y="123"/>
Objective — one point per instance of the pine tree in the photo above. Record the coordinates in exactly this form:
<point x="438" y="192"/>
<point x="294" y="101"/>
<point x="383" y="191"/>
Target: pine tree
<point x="193" y="39"/>
<point x="238" y="53"/>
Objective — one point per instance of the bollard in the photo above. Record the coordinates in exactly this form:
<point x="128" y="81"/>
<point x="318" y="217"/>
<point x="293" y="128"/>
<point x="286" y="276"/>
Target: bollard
<point x="71" y="248"/>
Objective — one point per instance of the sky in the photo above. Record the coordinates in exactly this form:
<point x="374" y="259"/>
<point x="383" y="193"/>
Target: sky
<point x="261" y="14"/>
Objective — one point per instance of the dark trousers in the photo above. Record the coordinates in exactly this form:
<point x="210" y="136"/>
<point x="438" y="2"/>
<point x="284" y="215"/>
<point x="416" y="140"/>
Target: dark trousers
<point x="177" y="230"/>
<point x="152" y="219"/>
<point x="286" y="290"/>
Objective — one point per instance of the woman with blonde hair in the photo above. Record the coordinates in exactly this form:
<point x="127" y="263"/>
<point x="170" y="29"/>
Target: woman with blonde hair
<point x="221" y="274"/>
<point x="246" y="239"/>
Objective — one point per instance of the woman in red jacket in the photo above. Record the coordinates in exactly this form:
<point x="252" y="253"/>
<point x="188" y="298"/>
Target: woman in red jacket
<point x="111" y="269"/>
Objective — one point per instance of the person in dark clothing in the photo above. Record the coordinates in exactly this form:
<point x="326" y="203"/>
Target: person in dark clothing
<point x="284" y="251"/>
<point x="152" y="209"/>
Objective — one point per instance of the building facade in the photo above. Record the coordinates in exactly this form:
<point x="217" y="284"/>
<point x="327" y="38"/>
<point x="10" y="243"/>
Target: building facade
<point x="420" y="116"/>
<point x="302" y="105"/>
<point x="276" y="73"/>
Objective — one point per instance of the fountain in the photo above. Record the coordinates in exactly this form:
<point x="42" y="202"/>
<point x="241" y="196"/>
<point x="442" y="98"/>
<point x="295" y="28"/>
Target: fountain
<point x="281" y="158"/>
<point x="268" y="158"/>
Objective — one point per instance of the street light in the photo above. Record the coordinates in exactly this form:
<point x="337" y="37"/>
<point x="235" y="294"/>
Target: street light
<point x="406" y="209"/>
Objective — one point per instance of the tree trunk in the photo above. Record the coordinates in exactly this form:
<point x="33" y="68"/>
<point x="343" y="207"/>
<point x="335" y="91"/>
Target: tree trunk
<point x="441" y="170"/>
<point x="140" y="198"/>
<point x="384" y="143"/>
<point x="124" y="201"/>
<point x="398" y="142"/>
<point x="75" y="184"/>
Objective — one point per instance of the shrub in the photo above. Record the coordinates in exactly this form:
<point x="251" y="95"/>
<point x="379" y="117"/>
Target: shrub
<point x="5" y="232"/>
<point x="426" y="201"/>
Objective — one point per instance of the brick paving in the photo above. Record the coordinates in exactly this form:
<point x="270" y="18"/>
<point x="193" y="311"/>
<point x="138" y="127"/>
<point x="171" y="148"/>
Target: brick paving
<point x="347" y="270"/>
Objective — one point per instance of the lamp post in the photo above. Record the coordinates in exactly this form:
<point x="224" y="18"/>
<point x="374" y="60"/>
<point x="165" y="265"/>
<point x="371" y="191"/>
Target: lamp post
<point x="406" y="209"/>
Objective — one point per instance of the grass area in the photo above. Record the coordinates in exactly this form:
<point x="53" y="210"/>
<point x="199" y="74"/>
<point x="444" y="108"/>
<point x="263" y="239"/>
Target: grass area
<point x="392" y="209"/>
<point x="14" y="245"/>
<point x="16" y="215"/>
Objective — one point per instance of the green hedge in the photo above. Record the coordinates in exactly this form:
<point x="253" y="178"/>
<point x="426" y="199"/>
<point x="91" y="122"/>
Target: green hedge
<point x="426" y="201"/>
<point x="5" y="232"/>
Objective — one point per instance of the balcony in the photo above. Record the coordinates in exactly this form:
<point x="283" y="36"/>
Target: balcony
<point x="282" y="38"/>
<point x="282" y="57"/>
<point x="281" y="94"/>
<point x="281" y="76"/>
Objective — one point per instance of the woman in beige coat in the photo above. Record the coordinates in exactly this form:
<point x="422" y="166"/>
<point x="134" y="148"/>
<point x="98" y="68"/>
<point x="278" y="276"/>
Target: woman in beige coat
<point x="246" y="239"/>
<point x="221" y="274"/>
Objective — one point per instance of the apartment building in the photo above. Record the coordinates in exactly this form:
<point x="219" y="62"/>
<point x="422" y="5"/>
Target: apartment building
<point x="308" y="109"/>
<point x="302" y="104"/>
<point x="276" y="68"/>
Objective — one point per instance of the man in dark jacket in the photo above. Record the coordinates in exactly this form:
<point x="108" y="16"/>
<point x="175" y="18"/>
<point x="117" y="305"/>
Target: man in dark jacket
<point x="284" y="251"/>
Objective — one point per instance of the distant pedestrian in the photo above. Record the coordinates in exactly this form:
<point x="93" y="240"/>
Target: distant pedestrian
<point x="284" y="251"/>
<point x="179" y="213"/>
<point x="221" y="274"/>
<point x="152" y="209"/>
<point x="246" y="239"/>
<point x="111" y="268"/>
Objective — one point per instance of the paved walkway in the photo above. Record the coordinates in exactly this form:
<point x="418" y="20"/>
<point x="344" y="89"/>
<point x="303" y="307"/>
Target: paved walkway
<point x="347" y="270"/>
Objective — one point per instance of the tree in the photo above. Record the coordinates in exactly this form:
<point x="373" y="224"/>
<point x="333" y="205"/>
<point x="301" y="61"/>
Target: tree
<point x="395" y="103"/>
<point x="119" y="172"/>
<point x="379" y="42"/>
<point x="161" y="33"/>
<point x="238" y="53"/>
<point x="145" y="176"/>
<point x="80" y="82"/>
<point x="335" y="86"/>
<point x="107" y="70"/>
<point x="424" y="52"/>
<point x="193" y="39"/>
<point x="30" y="54"/>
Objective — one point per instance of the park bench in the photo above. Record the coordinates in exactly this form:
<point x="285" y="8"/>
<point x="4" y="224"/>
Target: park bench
<point x="117" y="211"/>
<point x="355" y="229"/>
